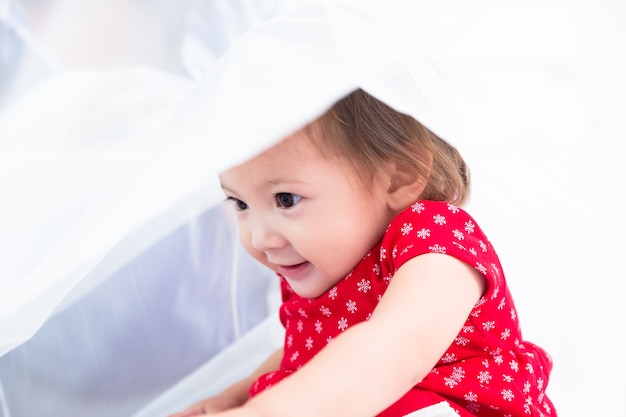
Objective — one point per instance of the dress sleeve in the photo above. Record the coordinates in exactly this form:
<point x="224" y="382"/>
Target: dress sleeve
<point x="439" y="227"/>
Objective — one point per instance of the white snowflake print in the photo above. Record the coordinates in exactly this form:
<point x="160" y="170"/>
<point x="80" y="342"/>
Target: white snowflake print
<point x="294" y="356"/>
<point x="417" y="207"/>
<point x="405" y="250"/>
<point x="448" y="358"/>
<point x="473" y="251"/>
<point x="547" y="408"/>
<point x="394" y="252"/>
<point x="473" y="407"/>
<point x="458" y="234"/>
<point x="387" y="279"/>
<point x="483" y="246"/>
<point x="423" y="233"/>
<point x="457" y="375"/>
<point x="454" y="209"/>
<point x="329" y="339"/>
<point x="485" y="363"/>
<point x="289" y="340"/>
<point x="481" y="268"/>
<point x="325" y="311"/>
<point x="439" y="219"/>
<point x="302" y="313"/>
<point x="300" y="326"/>
<point x="489" y="325"/>
<point x="364" y="286"/>
<point x="437" y="249"/>
<point x="332" y="293"/>
<point x="450" y="383"/>
<point x="376" y="270"/>
<point x="342" y="324"/>
<point x="318" y="327"/>
<point x="484" y="377"/>
<point x="468" y="329"/>
<point x="406" y="229"/>
<point x="481" y="301"/>
<point x="469" y="226"/>
<point x="526" y="387"/>
<point x="505" y="334"/>
<point x="496" y="291"/>
<point x="383" y="254"/>
<point x="471" y="397"/>
<point x="351" y="306"/>
<point x="507" y="378"/>
<point x="461" y="341"/>
<point x="514" y="365"/>
<point x="540" y="384"/>
<point x="495" y="352"/>
<point x="502" y="303"/>
<point x="513" y="314"/>
<point x="309" y="343"/>
<point x="507" y="394"/>
<point x="458" y="245"/>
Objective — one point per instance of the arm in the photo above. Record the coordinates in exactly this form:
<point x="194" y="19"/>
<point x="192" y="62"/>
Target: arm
<point x="436" y="291"/>
<point x="236" y="394"/>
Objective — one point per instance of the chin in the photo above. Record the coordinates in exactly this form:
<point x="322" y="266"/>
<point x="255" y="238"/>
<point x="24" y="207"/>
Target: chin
<point x="307" y="292"/>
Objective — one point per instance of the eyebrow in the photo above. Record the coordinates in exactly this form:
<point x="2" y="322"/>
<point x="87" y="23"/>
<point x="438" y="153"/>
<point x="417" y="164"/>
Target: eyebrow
<point x="273" y="182"/>
<point x="283" y="180"/>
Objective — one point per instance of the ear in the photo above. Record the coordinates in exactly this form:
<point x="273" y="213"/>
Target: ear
<point x="405" y="186"/>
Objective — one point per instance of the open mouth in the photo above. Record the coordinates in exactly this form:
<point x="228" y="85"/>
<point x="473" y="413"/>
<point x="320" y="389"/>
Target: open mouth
<point x="292" y="271"/>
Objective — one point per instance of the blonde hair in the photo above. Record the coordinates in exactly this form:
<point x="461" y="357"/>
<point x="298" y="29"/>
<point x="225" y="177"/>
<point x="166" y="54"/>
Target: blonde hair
<point x="368" y="133"/>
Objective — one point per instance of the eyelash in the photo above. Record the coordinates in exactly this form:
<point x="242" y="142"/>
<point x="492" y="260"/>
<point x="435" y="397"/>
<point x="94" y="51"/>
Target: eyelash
<point x="239" y="203"/>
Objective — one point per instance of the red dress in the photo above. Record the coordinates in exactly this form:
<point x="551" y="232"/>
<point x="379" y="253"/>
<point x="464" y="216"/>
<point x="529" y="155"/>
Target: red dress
<point x="489" y="370"/>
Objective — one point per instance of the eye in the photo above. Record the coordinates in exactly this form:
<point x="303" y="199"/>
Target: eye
<point x="287" y="200"/>
<point x="239" y="205"/>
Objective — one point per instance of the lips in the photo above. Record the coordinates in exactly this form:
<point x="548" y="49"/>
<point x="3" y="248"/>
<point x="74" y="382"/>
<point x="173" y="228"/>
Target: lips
<point x="293" y="271"/>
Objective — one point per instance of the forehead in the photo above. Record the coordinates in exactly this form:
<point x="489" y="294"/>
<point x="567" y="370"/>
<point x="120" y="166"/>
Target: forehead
<point x="298" y="143"/>
<point x="293" y="152"/>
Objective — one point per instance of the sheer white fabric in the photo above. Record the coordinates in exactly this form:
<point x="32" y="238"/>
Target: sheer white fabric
<point x="120" y="271"/>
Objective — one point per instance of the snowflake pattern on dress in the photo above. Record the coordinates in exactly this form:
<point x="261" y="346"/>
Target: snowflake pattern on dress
<point x="489" y="370"/>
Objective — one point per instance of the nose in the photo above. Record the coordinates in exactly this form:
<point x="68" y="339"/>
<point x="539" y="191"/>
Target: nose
<point x="264" y="235"/>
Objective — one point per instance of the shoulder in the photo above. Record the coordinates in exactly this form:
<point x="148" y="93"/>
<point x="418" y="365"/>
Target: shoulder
<point x="435" y="227"/>
<point x="426" y="219"/>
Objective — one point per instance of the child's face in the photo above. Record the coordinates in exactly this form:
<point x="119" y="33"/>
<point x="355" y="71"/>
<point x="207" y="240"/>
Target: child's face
<point x="304" y="216"/>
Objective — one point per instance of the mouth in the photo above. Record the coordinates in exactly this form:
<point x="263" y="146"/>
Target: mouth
<point x="292" y="271"/>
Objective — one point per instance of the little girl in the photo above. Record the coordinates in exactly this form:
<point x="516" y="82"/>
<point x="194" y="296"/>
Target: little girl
<point x="393" y="298"/>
